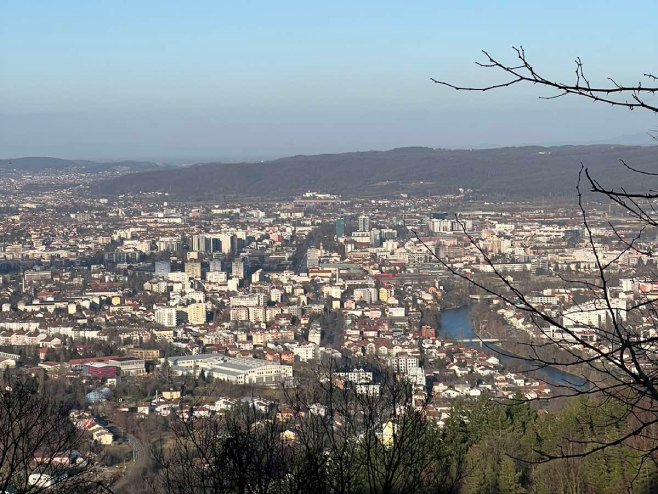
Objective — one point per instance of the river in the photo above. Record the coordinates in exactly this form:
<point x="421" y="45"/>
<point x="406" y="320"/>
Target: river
<point x="456" y="324"/>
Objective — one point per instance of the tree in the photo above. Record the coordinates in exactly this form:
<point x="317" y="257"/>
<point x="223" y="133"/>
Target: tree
<point x="326" y="438"/>
<point x="39" y="446"/>
<point x="633" y="96"/>
<point x="234" y="452"/>
<point x="622" y="364"/>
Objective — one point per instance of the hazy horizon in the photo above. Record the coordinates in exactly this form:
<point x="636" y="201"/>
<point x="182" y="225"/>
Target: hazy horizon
<point x="214" y="81"/>
<point x="628" y="140"/>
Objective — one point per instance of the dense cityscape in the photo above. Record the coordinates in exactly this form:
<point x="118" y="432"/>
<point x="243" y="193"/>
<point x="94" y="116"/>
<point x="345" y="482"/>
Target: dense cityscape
<point x="144" y="309"/>
<point x="309" y="247"/>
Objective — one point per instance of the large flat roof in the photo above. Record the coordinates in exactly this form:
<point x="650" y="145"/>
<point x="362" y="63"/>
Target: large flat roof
<point x="219" y="361"/>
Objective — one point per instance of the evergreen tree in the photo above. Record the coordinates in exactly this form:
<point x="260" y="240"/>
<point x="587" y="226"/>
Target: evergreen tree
<point x="509" y="477"/>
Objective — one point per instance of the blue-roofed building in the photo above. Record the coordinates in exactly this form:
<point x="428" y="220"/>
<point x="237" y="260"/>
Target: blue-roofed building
<point x="99" y="395"/>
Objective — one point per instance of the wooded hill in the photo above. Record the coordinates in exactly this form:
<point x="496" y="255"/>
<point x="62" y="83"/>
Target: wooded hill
<point x="516" y="172"/>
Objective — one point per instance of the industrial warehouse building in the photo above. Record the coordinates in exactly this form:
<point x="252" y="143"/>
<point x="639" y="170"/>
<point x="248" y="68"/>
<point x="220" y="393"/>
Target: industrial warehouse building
<point x="235" y="370"/>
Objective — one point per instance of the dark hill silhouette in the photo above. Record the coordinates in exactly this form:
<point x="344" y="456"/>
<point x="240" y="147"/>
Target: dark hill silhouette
<point x="518" y="171"/>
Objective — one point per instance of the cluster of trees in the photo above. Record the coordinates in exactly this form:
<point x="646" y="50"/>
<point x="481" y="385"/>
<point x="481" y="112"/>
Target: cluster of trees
<point x="622" y="364"/>
<point x="40" y="449"/>
<point x="329" y="439"/>
<point x="379" y="173"/>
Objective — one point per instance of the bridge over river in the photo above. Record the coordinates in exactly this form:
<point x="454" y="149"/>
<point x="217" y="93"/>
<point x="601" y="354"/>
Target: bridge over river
<point x="480" y="341"/>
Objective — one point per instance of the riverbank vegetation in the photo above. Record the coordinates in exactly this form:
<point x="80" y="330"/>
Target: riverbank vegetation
<point x="518" y="344"/>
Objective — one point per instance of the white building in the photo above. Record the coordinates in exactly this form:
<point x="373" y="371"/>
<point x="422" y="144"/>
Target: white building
<point x="129" y="366"/>
<point x="235" y="370"/>
<point x="358" y="376"/>
<point x="304" y="352"/>
<point x="594" y="314"/>
<point x="404" y="365"/>
<point x="166" y="316"/>
<point x="315" y="334"/>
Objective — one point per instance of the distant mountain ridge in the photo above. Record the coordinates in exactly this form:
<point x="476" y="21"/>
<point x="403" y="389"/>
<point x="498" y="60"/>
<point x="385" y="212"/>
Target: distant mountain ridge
<point x="515" y="171"/>
<point x="42" y="163"/>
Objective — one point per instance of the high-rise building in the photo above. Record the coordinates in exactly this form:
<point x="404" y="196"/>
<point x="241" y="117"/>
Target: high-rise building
<point x="196" y="313"/>
<point x="200" y="243"/>
<point x="364" y="223"/>
<point x="276" y="295"/>
<point x="172" y="245"/>
<point x="237" y="244"/>
<point x="315" y="334"/>
<point x="214" y="244"/>
<point x="313" y="258"/>
<point x="162" y="268"/>
<point x="166" y="316"/>
<point x="238" y="268"/>
<point x="340" y="226"/>
<point x="193" y="269"/>
<point x="375" y="238"/>
<point x="437" y="226"/>
<point x="227" y="243"/>
<point x="215" y="265"/>
<point x="257" y="276"/>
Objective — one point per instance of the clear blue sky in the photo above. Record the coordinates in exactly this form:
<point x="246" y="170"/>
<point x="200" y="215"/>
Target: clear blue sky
<point x="247" y="79"/>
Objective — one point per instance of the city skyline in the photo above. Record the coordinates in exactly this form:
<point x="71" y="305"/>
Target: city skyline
<point x="259" y="247"/>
